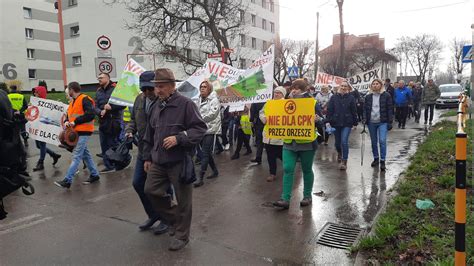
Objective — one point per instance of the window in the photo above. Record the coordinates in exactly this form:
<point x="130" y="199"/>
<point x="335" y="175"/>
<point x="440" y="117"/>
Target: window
<point x="272" y="6"/>
<point x="205" y="31"/>
<point x="74" y="31"/>
<point x="264" y="3"/>
<point x="264" y="45"/>
<point x="76" y="60"/>
<point x="272" y="27"/>
<point x="29" y="33"/>
<point x="188" y="53"/>
<point x="242" y="39"/>
<point x="167" y="22"/>
<point x="27" y="12"/>
<point x="254" y="20"/>
<point x="170" y="53"/>
<point x="264" y="24"/>
<point x="186" y="26"/>
<point x="32" y="73"/>
<point x="72" y="2"/>
<point x="242" y="63"/>
<point x="30" y="53"/>
<point x="242" y="15"/>
<point x="254" y="43"/>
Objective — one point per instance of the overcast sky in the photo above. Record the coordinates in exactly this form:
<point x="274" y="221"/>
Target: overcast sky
<point x="390" y="18"/>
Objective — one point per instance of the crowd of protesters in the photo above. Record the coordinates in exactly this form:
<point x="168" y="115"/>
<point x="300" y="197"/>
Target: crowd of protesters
<point x="175" y="134"/>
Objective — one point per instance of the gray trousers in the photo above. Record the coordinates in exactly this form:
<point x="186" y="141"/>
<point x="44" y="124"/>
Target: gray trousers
<point x="157" y="183"/>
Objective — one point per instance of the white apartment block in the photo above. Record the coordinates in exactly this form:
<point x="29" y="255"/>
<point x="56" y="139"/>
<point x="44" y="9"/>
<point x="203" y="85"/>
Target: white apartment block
<point x="29" y="47"/>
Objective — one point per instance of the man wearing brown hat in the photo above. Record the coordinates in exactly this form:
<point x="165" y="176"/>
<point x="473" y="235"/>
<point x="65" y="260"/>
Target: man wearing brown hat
<point x="174" y="129"/>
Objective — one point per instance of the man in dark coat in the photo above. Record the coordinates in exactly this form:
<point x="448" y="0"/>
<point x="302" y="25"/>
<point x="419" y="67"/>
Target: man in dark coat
<point x="174" y="129"/>
<point x="110" y="120"/>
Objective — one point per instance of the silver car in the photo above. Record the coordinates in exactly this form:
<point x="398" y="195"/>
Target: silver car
<point x="449" y="95"/>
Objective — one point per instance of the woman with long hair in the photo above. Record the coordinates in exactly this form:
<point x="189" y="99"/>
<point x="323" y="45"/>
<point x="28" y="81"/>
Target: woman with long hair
<point x="379" y="118"/>
<point x="342" y="115"/>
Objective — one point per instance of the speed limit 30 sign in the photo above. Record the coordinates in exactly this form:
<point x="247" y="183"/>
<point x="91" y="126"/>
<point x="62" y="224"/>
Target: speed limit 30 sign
<point x="105" y="65"/>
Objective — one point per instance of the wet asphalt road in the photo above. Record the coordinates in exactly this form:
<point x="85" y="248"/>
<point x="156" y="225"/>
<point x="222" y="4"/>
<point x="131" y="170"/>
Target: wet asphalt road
<point x="233" y="221"/>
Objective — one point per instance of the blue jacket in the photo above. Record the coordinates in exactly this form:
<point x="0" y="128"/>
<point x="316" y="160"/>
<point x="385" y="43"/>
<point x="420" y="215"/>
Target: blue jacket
<point x="403" y="96"/>
<point x="342" y="111"/>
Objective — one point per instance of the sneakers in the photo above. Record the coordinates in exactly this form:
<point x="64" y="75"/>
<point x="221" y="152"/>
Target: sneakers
<point x="39" y="166"/>
<point x="375" y="162"/>
<point x="177" y="244"/>
<point x="382" y="166"/>
<point x="148" y="224"/>
<point x="282" y="204"/>
<point x="306" y="202"/>
<point x="91" y="179"/>
<point x="107" y="170"/>
<point x="161" y="229"/>
<point x="56" y="158"/>
<point x="62" y="183"/>
<point x="227" y="147"/>
<point x="271" y="178"/>
<point x="343" y="165"/>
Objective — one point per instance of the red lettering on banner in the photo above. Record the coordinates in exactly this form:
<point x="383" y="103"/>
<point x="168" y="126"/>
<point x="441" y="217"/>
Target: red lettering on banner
<point x="223" y="72"/>
<point x="274" y="120"/>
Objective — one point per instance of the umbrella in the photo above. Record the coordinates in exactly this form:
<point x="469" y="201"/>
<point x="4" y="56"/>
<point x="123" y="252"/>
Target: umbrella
<point x="362" y="146"/>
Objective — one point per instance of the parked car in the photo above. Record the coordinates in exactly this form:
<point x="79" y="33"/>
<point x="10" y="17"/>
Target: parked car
<point x="449" y="95"/>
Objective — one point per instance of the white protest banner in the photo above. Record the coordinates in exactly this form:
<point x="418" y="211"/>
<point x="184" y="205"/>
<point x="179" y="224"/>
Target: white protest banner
<point x="327" y="79"/>
<point x="362" y="81"/>
<point x="45" y="119"/>
<point x="235" y="86"/>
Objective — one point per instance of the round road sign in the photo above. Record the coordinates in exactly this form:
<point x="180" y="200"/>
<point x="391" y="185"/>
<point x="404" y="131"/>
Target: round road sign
<point x="105" y="67"/>
<point x="104" y="42"/>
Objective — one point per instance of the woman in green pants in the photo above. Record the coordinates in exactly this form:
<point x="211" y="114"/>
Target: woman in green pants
<point x="294" y="149"/>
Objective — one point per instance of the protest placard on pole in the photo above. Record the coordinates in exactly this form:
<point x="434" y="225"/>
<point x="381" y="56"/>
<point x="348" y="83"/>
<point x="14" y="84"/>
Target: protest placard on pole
<point x="234" y="86"/>
<point x="45" y="119"/>
<point x="290" y="119"/>
<point x="128" y="86"/>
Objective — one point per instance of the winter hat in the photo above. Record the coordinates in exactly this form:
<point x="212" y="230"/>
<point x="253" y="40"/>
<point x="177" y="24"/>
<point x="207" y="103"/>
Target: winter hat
<point x="280" y="89"/>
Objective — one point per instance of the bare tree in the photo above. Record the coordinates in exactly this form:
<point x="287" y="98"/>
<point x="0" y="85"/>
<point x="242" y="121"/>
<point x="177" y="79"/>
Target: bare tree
<point x="421" y="53"/>
<point x="456" y="63"/>
<point x="330" y="64"/>
<point x="175" y="27"/>
<point x="302" y="56"/>
<point x="282" y="53"/>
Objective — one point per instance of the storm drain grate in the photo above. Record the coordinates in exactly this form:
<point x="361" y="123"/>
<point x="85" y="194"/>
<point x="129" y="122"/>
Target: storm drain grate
<point x="338" y="236"/>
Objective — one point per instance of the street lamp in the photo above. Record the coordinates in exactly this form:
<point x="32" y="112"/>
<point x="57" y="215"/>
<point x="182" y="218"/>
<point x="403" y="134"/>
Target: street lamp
<point x="342" y="41"/>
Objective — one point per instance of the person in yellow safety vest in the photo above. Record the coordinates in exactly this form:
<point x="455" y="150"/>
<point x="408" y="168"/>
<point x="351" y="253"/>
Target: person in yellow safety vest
<point x="19" y="105"/>
<point x="294" y="149"/>
<point x="126" y="115"/>
<point x="243" y="133"/>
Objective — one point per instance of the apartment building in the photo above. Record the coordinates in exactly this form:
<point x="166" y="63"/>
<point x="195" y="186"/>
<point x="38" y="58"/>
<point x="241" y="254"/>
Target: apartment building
<point x="96" y="39"/>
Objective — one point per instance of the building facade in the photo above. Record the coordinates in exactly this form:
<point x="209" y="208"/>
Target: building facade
<point x="96" y="40"/>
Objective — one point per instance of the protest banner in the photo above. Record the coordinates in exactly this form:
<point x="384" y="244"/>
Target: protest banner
<point x="362" y="81"/>
<point x="327" y="79"/>
<point x="290" y="119"/>
<point x="234" y="86"/>
<point x="45" y="119"/>
<point x="128" y="86"/>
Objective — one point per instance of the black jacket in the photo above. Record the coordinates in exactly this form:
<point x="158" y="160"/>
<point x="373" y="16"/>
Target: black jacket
<point x="102" y="97"/>
<point x="386" y="108"/>
<point x="342" y="111"/>
<point x="254" y="114"/>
